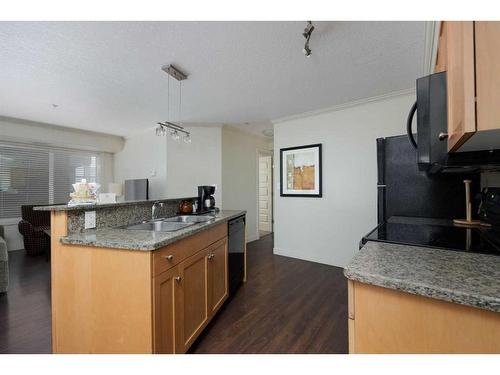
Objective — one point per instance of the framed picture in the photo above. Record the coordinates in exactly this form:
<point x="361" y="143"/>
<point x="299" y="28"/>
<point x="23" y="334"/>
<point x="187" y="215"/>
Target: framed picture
<point x="300" y="171"/>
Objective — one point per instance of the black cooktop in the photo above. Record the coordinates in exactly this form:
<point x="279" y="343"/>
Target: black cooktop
<point x="436" y="233"/>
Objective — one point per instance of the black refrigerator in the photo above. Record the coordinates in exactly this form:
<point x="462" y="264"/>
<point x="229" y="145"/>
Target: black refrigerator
<point x="417" y="209"/>
<point x="403" y="190"/>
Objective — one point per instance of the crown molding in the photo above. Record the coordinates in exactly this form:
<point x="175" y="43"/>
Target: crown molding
<point x="354" y="103"/>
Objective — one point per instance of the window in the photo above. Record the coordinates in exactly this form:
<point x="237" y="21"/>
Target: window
<point x="37" y="175"/>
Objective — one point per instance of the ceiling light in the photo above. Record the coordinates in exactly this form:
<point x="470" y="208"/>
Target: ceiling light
<point x="175" y="135"/>
<point x="163" y="127"/>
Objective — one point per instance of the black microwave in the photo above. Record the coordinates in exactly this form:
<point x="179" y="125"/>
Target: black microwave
<point x="431" y="139"/>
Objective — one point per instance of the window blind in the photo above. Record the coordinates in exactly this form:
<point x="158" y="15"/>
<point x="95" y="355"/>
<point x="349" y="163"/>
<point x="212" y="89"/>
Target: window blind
<point x="41" y="175"/>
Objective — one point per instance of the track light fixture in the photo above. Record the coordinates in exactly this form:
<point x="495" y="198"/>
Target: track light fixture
<point x="307" y="35"/>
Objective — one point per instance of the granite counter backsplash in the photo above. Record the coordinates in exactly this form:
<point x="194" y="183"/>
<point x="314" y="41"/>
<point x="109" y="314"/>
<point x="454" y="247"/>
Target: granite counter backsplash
<point x="115" y="214"/>
<point x="464" y="278"/>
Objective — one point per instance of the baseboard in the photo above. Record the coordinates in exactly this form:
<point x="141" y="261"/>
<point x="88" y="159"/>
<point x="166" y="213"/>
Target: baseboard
<point x="282" y="253"/>
<point x="252" y="238"/>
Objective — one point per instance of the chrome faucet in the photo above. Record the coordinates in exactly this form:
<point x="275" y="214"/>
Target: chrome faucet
<point x="154" y="210"/>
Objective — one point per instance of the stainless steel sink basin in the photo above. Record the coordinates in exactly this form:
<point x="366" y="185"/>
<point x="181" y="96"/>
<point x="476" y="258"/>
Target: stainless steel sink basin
<point x="189" y="219"/>
<point x="170" y="224"/>
<point x="159" y="226"/>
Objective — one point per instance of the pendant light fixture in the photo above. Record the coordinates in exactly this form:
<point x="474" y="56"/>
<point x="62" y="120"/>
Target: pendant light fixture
<point x="170" y="127"/>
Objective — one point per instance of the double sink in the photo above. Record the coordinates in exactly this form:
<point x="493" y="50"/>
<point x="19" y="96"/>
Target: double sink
<point x="170" y="224"/>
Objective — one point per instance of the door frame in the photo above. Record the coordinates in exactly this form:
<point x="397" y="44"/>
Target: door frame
<point x="262" y="152"/>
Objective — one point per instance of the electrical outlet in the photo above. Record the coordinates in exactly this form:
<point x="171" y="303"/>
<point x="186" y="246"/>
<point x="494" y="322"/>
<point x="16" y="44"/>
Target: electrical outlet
<point x="89" y="219"/>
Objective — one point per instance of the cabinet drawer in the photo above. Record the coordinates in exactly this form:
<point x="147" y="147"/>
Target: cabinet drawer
<point x="171" y="255"/>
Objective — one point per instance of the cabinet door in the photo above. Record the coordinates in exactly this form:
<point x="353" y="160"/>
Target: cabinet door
<point x="191" y="300"/>
<point x="164" y="311"/>
<point x="487" y="35"/>
<point x="460" y="82"/>
<point x="217" y="275"/>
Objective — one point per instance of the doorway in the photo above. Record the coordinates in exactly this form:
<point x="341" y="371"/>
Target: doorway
<point x="265" y="193"/>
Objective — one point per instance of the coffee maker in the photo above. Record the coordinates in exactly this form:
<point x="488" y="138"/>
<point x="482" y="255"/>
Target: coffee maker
<point x="206" y="200"/>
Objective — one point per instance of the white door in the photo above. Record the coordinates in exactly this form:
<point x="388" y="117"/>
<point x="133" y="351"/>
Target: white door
<point x="265" y="194"/>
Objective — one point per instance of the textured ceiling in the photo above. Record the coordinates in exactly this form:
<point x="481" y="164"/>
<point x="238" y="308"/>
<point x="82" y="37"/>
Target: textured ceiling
<point x="106" y="76"/>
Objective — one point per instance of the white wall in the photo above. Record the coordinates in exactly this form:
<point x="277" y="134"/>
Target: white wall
<point x="144" y="155"/>
<point x="194" y="164"/>
<point x="240" y="173"/>
<point x="328" y="230"/>
<point x="174" y="168"/>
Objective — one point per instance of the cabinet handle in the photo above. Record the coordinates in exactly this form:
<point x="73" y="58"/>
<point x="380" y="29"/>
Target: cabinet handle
<point x="442" y="136"/>
<point x="169" y="258"/>
<point x="178" y="279"/>
<point x="211" y="256"/>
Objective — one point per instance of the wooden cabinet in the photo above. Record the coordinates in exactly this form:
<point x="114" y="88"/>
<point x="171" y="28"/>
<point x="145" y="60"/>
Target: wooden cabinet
<point x="188" y="296"/>
<point x="460" y="82"/>
<point x="164" y="311"/>
<point x="127" y="301"/>
<point x="468" y="52"/>
<point x="487" y="35"/>
<point x="388" y="321"/>
<point x="217" y="276"/>
<point x="191" y="302"/>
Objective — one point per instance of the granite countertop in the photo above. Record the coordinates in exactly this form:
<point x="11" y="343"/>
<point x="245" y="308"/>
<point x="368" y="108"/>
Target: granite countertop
<point x="65" y="207"/>
<point x="142" y="239"/>
<point x="465" y="278"/>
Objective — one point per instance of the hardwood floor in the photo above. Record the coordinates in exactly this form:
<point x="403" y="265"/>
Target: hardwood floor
<point x="25" y="325"/>
<point x="287" y="306"/>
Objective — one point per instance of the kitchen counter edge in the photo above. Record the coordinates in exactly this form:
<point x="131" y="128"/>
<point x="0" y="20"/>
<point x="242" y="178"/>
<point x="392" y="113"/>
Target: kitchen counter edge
<point x="142" y="240"/>
<point x="464" y="278"/>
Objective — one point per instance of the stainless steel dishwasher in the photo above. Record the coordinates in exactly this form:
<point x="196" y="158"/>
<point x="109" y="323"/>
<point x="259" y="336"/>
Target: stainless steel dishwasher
<point x="236" y="252"/>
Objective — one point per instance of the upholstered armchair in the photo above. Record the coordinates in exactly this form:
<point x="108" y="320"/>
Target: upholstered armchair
<point x="32" y="227"/>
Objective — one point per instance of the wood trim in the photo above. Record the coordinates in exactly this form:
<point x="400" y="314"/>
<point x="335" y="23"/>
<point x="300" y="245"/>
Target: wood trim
<point x="183" y="249"/>
<point x="351" y="316"/>
<point x="389" y="321"/>
<point x="351" y="330"/>
<point x="441" y="53"/>
<point x="350" y="298"/>
<point x="58" y="229"/>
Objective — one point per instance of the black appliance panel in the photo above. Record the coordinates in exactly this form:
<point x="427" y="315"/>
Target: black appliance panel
<point x="432" y="128"/>
<point x="236" y="252"/>
<point x="404" y="190"/>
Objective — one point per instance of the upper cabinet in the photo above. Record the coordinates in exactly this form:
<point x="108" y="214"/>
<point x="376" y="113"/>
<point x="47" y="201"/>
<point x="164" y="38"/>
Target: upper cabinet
<point x="487" y="36"/>
<point x="468" y="52"/>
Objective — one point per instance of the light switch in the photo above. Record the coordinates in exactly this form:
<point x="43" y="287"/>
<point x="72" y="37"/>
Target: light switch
<point x="89" y="219"/>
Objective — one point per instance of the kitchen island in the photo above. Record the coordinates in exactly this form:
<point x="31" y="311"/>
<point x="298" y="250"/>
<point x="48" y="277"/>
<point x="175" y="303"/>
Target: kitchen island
<point x="117" y="290"/>
<point x="407" y="299"/>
